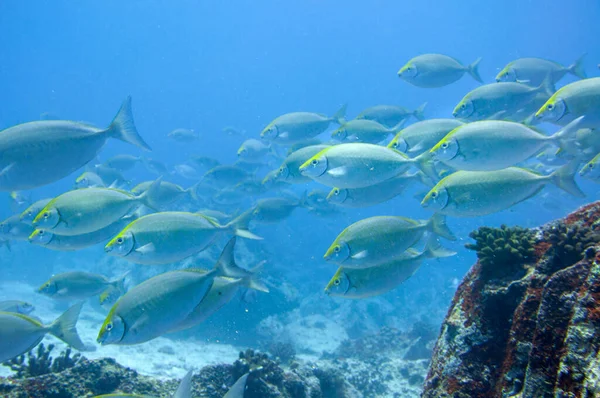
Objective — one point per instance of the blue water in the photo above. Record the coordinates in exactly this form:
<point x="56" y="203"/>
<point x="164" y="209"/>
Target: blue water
<point x="207" y="65"/>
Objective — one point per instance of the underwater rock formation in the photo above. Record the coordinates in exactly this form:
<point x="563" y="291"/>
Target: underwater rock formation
<point x="525" y="323"/>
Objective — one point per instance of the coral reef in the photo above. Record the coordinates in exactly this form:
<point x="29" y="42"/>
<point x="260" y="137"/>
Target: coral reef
<point x="531" y="333"/>
<point x="40" y="362"/>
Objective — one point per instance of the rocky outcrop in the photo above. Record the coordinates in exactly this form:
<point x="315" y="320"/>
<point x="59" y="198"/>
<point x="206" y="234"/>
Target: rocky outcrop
<point x="525" y="323"/>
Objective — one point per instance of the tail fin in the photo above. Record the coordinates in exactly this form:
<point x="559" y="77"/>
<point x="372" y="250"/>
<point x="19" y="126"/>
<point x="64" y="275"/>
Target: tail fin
<point x="251" y="282"/>
<point x="146" y="196"/>
<point x="418" y="113"/>
<point x="547" y="86"/>
<point x="237" y="390"/>
<point x="425" y="163"/>
<point x="123" y="127"/>
<point x="568" y="133"/>
<point x="473" y="70"/>
<point x="437" y="225"/>
<point x="119" y="283"/>
<point x="577" y="68"/>
<point x="564" y="178"/>
<point x="227" y="266"/>
<point x="185" y="386"/>
<point x="340" y="115"/>
<point x="64" y="327"/>
<point x="239" y="225"/>
<point x="433" y="249"/>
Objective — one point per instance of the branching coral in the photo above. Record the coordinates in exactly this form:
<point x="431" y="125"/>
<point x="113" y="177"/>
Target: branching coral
<point x="569" y="243"/>
<point x="502" y="251"/>
<point x="41" y="363"/>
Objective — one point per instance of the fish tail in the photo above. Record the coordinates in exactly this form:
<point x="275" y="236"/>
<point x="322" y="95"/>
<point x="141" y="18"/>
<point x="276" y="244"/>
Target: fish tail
<point x="564" y="178"/>
<point x="433" y="249"/>
<point x="238" y="388"/>
<point x="418" y="113"/>
<point x="473" y="70"/>
<point x="119" y="283"/>
<point x="568" y="134"/>
<point x="146" y="196"/>
<point x="425" y="163"/>
<point x="123" y="127"/>
<point x="340" y="116"/>
<point x="185" y="386"/>
<point x="577" y="68"/>
<point x="64" y="327"/>
<point x="193" y="192"/>
<point x="240" y="224"/>
<point x="547" y="86"/>
<point x="437" y="225"/>
<point x="252" y="282"/>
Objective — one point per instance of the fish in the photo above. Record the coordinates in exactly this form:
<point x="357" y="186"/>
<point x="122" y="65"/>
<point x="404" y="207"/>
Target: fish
<point x="155" y="166"/>
<point x="299" y="145"/>
<point x="19" y="199"/>
<point x="591" y="170"/>
<point x="580" y="98"/>
<point x="184" y="135"/>
<point x="79" y="285"/>
<point x="374" y="240"/>
<point x="53" y="241"/>
<point x="288" y="170"/>
<point x="359" y="165"/>
<point x="533" y="71"/>
<point x="370" y="282"/>
<point x="110" y="176"/>
<point x="184" y="390"/>
<point x="391" y="115"/>
<point x="165" y="193"/>
<point x="232" y="131"/>
<point x="493" y="100"/>
<point x="154" y="307"/>
<point x="494" y="145"/>
<point x="123" y="162"/>
<point x="168" y="237"/>
<point x="223" y="288"/>
<point x="20" y="333"/>
<point x="363" y="130"/>
<point x="251" y="187"/>
<point x="253" y="150"/>
<point x="29" y="213"/>
<point x="275" y="210"/>
<point x="20" y="307"/>
<point x="223" y="176"/>
<point x="479" y="193"/>
<point x="27" y="149"/>
<point x="436" y="70"/>
<point x="238" y="389"/>
<point x="87" y="210"/>
<point x="299" y="126"/>
<point x="216" y="215"/>
<point x="13" y="228"/>
<point x="422" y="136"/>
<point x="377" y="193"/>
<point x="186" y="171"/>
<point x="89" y="180"/>
<point x="204" y="162"/>
<point x="229" y="196"/>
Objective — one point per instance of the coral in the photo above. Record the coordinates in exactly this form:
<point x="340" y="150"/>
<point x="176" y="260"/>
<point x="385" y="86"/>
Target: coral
<point x="41" y="363"/>
<point x="502" y="251"/>
<point x="531" y="334"/>
<point x="282" y="351"/>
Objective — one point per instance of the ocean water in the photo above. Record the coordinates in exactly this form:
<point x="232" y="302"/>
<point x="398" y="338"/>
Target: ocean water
<point x="207" y="65"/>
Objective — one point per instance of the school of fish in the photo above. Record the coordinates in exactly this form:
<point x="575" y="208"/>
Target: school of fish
<point x="489" y="155"/>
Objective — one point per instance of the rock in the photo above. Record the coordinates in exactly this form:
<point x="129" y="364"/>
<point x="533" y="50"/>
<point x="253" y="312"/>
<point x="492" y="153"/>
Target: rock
<point x="528" y="328"/>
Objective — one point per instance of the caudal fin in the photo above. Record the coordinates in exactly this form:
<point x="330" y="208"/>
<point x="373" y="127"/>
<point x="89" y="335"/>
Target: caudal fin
<point x="119" y="283"/>
<point x="426" y="164"/>
<point x="152" y="192"/>
<point x="577" y="68"/>
<point x="547" y="86"/>
<point x="438" y="226"/>
<point x="64" y="327"/>
<point x="239" y="225"/>
<point x="419" y="112"/>
<point x="340" y="115"/>
<point x="473" y="70"/>
<point x="123" y="127"/>
<point x="564" y="178"/>
<point x="185" y="386"/>
<point x="237" y="390"/>
<point x="227" y="266"/>
<point x="433" y="249"/>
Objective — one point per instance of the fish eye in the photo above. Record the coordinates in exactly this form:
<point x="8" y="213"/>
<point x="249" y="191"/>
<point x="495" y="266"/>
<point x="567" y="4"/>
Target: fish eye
<point x="46" y="215"/>
<point x="409" y="68"/>
<point x="119" y="240"/>
<point x="336" y="282"/>
<point x="395" y="144"/>
<point x="463" y="106"/>
<point x="337" y="249"/>
<point x="314" y="162"/>
<point x="336" y="191"/>
<point x="41" y="233"/>
<point x="109" y="327"/>
<point x="434" y="195"/>
<point x="445" y="145"/>
<point x="550" y="107"/>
